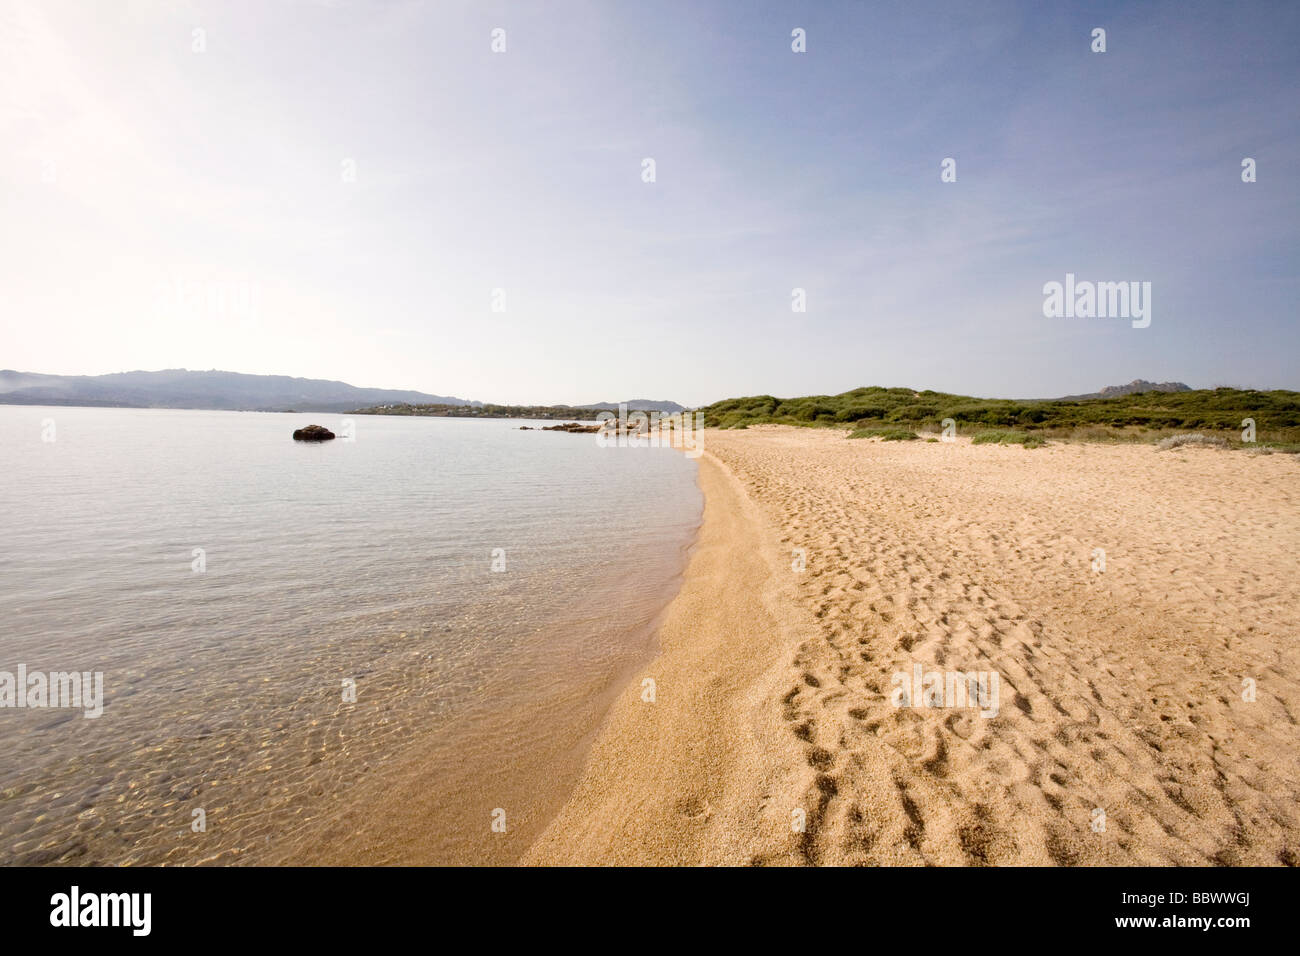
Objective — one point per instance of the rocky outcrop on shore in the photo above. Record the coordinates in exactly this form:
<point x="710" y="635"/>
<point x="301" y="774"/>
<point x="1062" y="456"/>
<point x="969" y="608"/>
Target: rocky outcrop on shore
<point x="572" y="427"/>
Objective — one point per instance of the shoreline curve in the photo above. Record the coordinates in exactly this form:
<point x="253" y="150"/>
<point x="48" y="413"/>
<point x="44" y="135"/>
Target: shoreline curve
<point x="687" y="778"/>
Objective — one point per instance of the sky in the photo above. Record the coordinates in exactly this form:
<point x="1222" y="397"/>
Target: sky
<point x="367" y="191"/>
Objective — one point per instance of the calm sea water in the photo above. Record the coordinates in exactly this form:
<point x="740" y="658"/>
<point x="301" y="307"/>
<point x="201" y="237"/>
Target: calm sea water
<point x="368" y="561"/>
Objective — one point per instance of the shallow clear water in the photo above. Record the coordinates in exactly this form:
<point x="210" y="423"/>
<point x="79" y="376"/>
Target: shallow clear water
<point x="367" y="560"/>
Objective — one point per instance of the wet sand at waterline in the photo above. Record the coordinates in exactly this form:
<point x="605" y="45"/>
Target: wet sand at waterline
<point x="1120" y="687"/>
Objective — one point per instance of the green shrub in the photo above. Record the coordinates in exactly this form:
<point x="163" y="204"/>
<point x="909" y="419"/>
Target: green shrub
<point x="1196" y="438"/>
<point x="854" y="413"/>
<point x="1008" y="438"/>
<point x="887" y="434"/>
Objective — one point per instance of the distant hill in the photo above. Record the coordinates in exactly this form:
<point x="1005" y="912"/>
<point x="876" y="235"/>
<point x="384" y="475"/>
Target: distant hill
<point x="549" y="412"/>
<point x="569" y="413"/>
<point x="1134" y="387"/>
<point x="640" y="405"/>
<point x="182" y="388"/>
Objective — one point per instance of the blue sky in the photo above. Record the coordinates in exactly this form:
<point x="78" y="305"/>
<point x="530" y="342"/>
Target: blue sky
<point x="334" y="190"/>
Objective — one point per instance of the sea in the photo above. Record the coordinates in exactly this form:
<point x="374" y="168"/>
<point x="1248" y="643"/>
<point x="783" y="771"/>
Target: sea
<point x="392" y="647"/>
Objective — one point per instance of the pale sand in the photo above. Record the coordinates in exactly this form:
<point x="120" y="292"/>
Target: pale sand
<point x="1120" y="690"/>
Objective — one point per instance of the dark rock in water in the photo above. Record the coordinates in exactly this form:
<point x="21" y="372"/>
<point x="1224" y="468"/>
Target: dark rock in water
<point x="571" y="427"/>
<point x="313" y="433"/>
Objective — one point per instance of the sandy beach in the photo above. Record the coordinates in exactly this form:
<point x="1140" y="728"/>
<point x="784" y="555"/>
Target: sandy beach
<point x="1139" y="609"/>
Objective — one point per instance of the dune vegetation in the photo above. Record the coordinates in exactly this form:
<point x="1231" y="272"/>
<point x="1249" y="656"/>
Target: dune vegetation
<point x="1144" y="416"/>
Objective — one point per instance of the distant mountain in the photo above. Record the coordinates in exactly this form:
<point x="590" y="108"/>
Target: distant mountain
<point x="641" y="405"/>
<point x="1132" y="388"/>
<point x="181" y="388"/>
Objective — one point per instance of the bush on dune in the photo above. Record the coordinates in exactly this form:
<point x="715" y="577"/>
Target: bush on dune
<point x="1195" y="438"/>
<point x="886" y="434"/>
<point x="1008" y="438"/>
